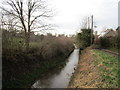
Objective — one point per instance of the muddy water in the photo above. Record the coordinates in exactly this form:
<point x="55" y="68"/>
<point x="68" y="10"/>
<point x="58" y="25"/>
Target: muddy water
<point x="60" y="79"/>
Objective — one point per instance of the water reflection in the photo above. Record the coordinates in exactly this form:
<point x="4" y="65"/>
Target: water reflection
<point x="61" y="78"/>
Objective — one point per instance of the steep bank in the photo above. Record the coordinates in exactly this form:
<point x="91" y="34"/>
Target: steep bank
<point x="21" y="67"/>
<point x="33" y="72"/>
<point x="96" y="69"/>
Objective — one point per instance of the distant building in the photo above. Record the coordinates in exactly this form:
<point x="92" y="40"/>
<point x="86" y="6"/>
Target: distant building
<point x="118" y="28"/>
<point x="118" y="31"/>
<point x="109" y="33"/>
<point x="96" y="38"/>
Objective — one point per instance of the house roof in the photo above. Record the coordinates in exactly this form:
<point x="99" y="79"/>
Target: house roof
<point x="108" y="33"/>
<point x="118" y="28"/>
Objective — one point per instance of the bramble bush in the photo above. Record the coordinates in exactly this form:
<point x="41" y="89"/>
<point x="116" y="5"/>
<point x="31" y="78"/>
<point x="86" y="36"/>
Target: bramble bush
<point x="16" y="61"/>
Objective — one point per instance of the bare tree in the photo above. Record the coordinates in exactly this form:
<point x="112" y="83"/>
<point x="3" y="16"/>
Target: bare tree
<point x="30" y="15"/>
<point x="84" y="23"/>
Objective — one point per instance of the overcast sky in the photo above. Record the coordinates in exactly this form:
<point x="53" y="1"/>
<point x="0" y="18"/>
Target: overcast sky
<point x="70" y="14"/>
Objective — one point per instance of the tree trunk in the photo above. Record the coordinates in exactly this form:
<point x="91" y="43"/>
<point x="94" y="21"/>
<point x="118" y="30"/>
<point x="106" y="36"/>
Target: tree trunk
<point x="27" y="41"/>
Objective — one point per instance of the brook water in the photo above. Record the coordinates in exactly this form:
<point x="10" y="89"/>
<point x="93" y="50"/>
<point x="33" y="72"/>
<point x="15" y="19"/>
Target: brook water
<point x="61" y="78"/>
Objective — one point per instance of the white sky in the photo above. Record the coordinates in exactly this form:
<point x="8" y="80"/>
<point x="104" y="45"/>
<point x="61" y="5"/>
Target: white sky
<point x="70" y="14"/>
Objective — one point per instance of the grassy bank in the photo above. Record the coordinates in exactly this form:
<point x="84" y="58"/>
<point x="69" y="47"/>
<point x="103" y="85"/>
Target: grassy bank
<point x="108" y="67"/>
<point x="96" y="69"/>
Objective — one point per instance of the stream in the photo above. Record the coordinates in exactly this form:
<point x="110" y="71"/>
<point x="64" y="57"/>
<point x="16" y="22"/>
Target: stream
<point x="61" y="78"/>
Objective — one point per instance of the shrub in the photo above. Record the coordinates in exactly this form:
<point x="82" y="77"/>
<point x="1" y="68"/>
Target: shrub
<point x="15" y="58"/>
<point x="104" y="42"/>
<point x="56" y="46"/>
<point x="84" y="38"/>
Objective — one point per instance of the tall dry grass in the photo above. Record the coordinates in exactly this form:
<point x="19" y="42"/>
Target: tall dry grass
<point x="46" y="54"/>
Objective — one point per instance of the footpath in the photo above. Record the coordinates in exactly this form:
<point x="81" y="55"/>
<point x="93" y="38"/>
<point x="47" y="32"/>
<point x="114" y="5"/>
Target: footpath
<point x="111" y="52"/>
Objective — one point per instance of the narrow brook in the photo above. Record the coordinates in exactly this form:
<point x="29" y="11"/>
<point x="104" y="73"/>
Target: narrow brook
<point x="61" y="78"/>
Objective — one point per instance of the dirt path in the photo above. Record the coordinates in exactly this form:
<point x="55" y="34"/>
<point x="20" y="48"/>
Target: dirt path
<point x="86" y="74"/>
<point x="111" y="52"/>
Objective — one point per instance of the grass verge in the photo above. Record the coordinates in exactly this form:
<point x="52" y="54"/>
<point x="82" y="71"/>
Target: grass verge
<point x="108" y="67"/>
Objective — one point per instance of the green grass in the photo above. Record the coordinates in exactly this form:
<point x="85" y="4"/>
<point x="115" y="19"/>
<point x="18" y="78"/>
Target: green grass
<point x="108" y="70"/>
<point x="13" y="43"/>
<point x="16" y="42"/>
<point x="35" y="44"/>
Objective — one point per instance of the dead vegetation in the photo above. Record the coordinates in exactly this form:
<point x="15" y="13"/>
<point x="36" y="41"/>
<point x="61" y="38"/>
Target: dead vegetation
<point x="86" y="75"/>
<point x="21" y="68"/>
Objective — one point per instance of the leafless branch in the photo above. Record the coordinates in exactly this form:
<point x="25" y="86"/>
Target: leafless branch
<point x="28" y="15"/>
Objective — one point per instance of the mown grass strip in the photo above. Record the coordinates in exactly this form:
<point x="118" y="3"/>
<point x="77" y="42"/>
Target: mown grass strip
<point x="108" y="66"/>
